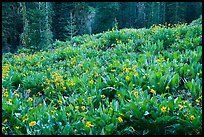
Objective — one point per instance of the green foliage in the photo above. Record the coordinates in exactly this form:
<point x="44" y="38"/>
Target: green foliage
<point x="142" y="85"/>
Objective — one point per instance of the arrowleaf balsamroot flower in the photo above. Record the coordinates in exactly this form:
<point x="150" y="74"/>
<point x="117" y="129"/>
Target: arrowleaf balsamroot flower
<point x="127" y="78"/>
<point x="88" y="124"/>
<point x="30" y="99"/>
<point x="120" y="119"/>
<point x="163" y="109"/>
<point x="152" y="91"/>
<point x="167" y="87"/>
<point x="192" y="117"/>
<point x="103" y="96"/>
<point x="32" y="123"/>
<point x="60" y="101"/>
<point x="83" y="107"/>
<point x="6" y="94"/>
<point x="136" y="94"/>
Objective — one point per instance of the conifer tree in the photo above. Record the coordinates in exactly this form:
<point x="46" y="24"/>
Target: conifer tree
<point x="71" y="28"/>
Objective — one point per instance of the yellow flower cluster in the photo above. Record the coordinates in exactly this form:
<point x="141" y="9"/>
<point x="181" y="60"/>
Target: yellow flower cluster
<point x="91" y="81"/>
<point x="57" y="78"/>
<point x="70" y="83"/>
<point x="73" y="61"/>
<point x="5" y="70"/>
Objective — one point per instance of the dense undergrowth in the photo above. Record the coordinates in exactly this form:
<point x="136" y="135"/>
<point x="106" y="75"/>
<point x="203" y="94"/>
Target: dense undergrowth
<point x="128" y="81"/>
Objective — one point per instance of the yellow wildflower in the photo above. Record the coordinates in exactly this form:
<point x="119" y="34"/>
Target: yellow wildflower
<point x="185" y="102"/>
<point x="152" y="91"/>
<point x="181" y="107"/>
<point x="5" y="121"/>
<point x="111" y="109"/>
<point x="89" y="98"/>
<point x="17" y="95"/>
<point x="30" y="99"/>
<point x="88" y="124"/>
<point x="60" y="101"/>
<point x="83" y="107"/>
<point x="28" y="90"/>
<point x="9" y="102"/>
<point x="127" y="70"/>
<point x="192" y="117"/>
<point x="167" y="87"/>
<point x="198" y="101"/>
<point x="118" y="95"/>
<point x="91" y="81"/>
<point x="39" y="93"/>
<point x="6" y="94"/>
<point x="121" y="114"/>
<point x="103" y="96"/>
<point x="163" y="109"/>
<point x="120" y="119"/>
<point x="84" y="119"/>
<point x="64" y="88"/>
<point x="185" y="114"/>
<point x="3" y="128"/>
<point x="25" y="120"/>
<point x="200" y="97"/>
<point x="136" y="94"/>
<point x="127" y="78"/>
<point x="17" y="127"/>
<point x="136" y="74"/>
<point x="157" y="60"/>
<point x="33" y="123"/>
<point x="52" y="111"/>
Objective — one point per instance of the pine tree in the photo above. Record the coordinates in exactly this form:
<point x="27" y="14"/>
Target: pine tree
<point x="71" y="28"/>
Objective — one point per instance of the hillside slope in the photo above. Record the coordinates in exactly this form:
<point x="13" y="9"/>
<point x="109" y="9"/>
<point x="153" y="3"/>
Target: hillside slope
<point x="129" y="81"/>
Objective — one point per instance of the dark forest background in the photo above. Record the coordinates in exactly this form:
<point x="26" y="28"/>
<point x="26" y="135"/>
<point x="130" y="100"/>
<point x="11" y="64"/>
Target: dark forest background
<point x="35" y="25"/>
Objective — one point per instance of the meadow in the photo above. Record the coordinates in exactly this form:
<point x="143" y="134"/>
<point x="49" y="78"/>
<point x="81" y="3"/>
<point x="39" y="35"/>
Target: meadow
<point x="119" y="82"/>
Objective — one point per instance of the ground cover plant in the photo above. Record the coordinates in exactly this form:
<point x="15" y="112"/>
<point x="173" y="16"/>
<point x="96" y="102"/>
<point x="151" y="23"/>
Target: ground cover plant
<point x="128" y="81"/>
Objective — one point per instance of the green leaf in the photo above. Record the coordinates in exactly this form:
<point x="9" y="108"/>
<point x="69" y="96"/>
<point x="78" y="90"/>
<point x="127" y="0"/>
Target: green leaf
<point x="174" y="82"/>
<point x="66" y="130"/>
